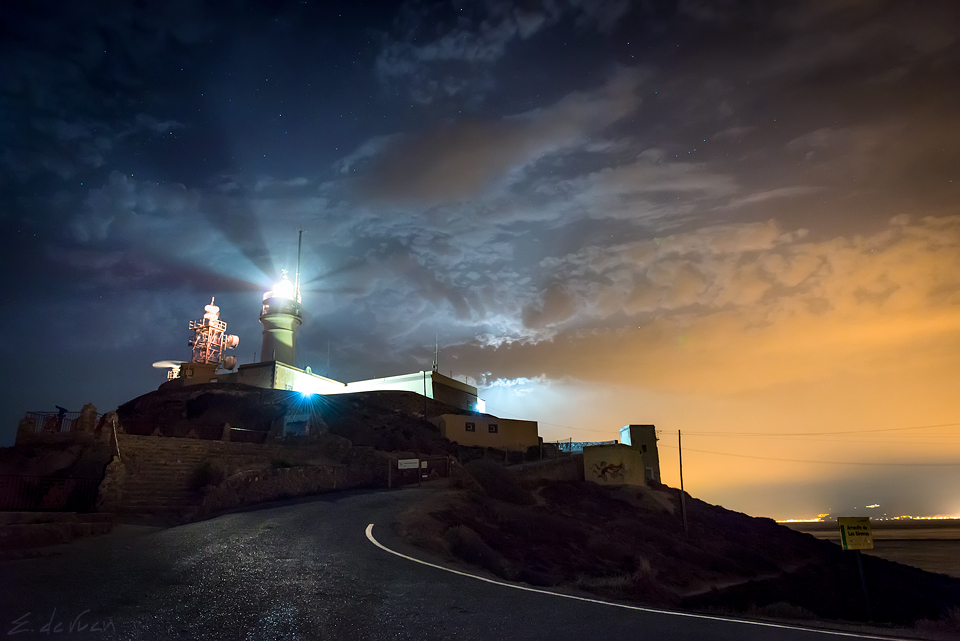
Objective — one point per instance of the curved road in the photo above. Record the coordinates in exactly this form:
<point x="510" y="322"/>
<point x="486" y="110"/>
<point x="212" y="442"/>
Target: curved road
<point x="306" y="570"/>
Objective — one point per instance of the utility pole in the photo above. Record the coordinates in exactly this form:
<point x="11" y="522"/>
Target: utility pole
<point x="683" y="500"/>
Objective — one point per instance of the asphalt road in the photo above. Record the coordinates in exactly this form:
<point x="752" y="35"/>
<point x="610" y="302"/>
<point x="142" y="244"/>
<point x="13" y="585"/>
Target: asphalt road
<point x="304" y="571"/>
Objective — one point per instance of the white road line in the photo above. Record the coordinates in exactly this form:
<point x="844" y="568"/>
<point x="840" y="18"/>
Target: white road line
<point x="691" y="615"/>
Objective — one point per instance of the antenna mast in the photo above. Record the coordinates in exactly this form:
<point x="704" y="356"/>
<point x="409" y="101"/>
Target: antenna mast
<point x="436" y="354"/>
<point x="296" y="282"/>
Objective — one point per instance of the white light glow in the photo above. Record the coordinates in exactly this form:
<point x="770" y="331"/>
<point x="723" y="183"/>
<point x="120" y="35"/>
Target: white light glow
<point x="283" y="289"/>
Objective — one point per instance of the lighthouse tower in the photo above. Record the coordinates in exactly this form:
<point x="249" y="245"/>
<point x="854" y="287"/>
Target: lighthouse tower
<point x="281" y="317"/>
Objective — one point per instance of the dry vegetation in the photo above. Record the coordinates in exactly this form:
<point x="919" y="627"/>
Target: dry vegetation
<point x="629" y="544"/>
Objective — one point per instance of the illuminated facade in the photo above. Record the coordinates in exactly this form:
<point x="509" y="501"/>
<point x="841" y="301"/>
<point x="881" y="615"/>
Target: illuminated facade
<point x="433" y="385"/>
<point x="485" y="430"/>
<point x="644" y="438"/>
<point x="281" y="316"/>
<point x="614" y="464"/>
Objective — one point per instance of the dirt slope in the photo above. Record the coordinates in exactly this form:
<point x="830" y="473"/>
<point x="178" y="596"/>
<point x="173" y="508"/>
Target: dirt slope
<point x="630" y="544"/>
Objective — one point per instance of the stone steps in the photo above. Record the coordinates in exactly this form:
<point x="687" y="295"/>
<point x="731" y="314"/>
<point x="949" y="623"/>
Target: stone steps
<point x="158" y="494"/>
<point x="150" y="506"/>
<point x="158" y="509"/>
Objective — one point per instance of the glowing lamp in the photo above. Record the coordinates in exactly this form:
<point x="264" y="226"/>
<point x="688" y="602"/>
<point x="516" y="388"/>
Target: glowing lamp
<point x="283" y="289"/>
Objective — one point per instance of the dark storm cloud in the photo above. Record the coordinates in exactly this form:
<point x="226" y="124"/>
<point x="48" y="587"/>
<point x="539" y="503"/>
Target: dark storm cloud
<point x="460" y="159"/>
<point x="445" y="51"/>
<point x="73" y="74"/>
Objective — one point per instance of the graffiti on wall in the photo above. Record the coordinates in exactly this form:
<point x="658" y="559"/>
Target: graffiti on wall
<point x="608" y="471"/>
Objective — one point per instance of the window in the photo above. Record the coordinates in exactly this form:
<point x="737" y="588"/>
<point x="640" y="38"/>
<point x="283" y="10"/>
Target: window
<point x="471" y="427"/>
<point x="493" y="428"/>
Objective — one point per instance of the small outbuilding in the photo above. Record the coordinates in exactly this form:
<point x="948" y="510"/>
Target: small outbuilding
<point x="644" y="439"/>
<point x="613" y="464"/>
<point x="485" y="430"/>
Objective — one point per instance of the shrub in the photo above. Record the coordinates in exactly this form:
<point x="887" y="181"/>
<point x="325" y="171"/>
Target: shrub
<point x="499" y="483"/>
<point x="946" y="627"/>
<point x="467" y="545"/>
<point x="641" y="585"/>
<point x="780" y="610"/>
<point x="206" y="473"/>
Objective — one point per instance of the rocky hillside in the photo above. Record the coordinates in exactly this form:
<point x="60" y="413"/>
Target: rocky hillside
<point x="388" y="421"/>
<point x="630" y="544"/>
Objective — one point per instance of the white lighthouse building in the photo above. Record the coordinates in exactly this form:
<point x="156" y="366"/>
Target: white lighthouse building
<point x="281" y="316"/>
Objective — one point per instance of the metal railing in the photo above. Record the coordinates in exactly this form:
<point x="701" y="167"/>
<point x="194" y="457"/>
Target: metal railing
<point x="577" y="446"/>
<point x="53" y="422"/>
<point x="47" y="494"/>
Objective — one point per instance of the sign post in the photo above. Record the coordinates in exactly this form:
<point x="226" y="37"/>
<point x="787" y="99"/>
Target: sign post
<point x="856" y="534"/>
<point x="410" y="464"/>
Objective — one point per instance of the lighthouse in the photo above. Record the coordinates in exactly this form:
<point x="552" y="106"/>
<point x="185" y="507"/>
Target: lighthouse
<point x="281" y="316"/>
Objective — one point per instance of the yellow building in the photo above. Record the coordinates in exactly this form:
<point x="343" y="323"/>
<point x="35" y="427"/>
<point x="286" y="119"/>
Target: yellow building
<point x="484" y="430"/>
<point x="613" y="464"/>
<point x="644" y="439"/>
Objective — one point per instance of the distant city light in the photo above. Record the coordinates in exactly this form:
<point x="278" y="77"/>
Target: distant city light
<point x="824" y="518"/>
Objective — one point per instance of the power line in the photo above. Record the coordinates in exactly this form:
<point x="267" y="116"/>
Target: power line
<point x="887" y="429"/>
<point x="874" y="440"/>
<point x="793" y="460"/>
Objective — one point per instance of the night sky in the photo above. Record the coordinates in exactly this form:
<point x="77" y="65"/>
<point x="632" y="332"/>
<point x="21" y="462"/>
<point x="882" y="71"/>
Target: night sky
<point x="736" y="219"/>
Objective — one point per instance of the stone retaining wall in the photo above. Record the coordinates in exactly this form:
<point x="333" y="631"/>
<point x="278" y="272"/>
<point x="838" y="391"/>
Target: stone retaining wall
<point x="569" y="468"/>
<point x="161" y="473"/>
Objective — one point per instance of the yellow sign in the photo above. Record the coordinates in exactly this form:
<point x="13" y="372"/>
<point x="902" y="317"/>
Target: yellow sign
<point x="855" y="532"/>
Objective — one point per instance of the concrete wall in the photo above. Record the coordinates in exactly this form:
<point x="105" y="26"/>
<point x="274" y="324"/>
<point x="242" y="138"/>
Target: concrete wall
<point x="453" y="392"/>
<point x="255" y="374"/>
<point x="613" y="465"/>
<point x="644" y="439"/>
<point x="419" y="382"/>
<point x="484" y="430"/>
<point x="276" y="375"/>
<point x="197" y="373"/>
<point x="568" y="468"/>
<point x="431" y="384"/>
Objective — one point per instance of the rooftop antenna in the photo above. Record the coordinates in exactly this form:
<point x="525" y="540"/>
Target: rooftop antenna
<point x="436" y="354"/>
<point x="296" y="281"/>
